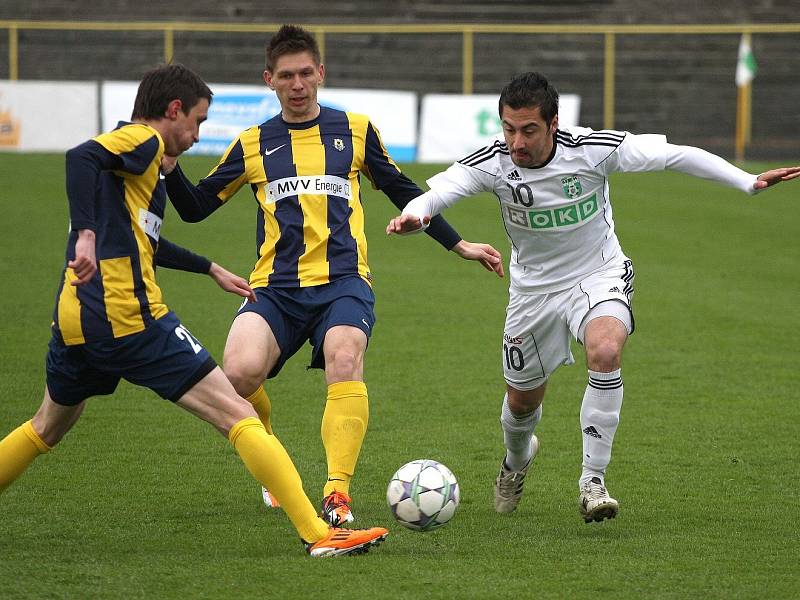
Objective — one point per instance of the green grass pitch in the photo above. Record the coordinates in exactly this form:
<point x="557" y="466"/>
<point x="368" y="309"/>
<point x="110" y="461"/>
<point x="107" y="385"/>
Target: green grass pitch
<point x="142" y="501"/>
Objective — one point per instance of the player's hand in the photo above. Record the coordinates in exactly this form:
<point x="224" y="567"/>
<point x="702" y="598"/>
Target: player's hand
<point x="231" y="282"/>
<point x="490" y="258"/>
<point x="775" y="176"/>
<point x="85" y="264"/>
<point x="168" y="164"/>
<point x="407" y="224"/>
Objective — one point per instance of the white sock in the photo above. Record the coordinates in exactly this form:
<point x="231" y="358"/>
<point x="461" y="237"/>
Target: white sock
<point x="517" y="434"/>
<point x="602" y="402"/>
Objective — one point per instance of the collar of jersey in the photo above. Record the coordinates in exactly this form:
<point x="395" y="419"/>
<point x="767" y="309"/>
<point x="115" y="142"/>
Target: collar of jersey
<point x="304" y="124"/>
<point x="549" y="158"/>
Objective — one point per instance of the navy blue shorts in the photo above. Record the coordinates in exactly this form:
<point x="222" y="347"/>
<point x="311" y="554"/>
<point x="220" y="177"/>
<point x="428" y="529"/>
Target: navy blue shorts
<point x="164" y="357"/>
<point x="299" y="314"/>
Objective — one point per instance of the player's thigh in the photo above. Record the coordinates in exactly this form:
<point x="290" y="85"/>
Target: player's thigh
<point x="536" y="339"/>
<point x="340" y="337"/>
<point x="251" y="349"/>
<point x="606" y="293"/>
<point x="214" y="400"/>
<point x="344" y="348"/>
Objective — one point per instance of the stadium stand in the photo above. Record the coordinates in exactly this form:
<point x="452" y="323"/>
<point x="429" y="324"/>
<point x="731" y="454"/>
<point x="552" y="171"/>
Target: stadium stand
<point x="681" y="84"/>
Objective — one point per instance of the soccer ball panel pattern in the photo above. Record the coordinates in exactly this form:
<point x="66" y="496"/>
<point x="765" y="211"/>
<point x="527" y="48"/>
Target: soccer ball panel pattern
<point x="423" y="495"/>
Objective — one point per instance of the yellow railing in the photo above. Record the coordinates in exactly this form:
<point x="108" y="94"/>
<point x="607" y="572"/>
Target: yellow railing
<point x="467" y="32"/>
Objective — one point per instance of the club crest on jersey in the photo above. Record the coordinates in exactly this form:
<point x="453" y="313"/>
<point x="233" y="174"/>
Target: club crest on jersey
<point x="572" y="187"/>
<point x="338" y="143"/>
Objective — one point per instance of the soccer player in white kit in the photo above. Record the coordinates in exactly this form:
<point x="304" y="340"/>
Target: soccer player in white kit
<point x="569" y="275"/>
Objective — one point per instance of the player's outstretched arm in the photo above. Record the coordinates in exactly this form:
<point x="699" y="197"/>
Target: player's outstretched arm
<point x="485" y="254"/>
<point x="230" y="282"/>
<point x="775" y="176"/>
<point x="418" y="213"/>
<point x="701" y="163"/>
<point x="405" y="224"/>
<point x="172" y="256"/>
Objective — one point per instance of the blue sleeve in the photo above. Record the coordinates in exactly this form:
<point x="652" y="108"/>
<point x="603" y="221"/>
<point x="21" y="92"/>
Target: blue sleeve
<point x="172" y="256"/>
<point x="380" y="168"/>
<point x="229" y="175"/>
<point x="193" y="203"/>
<point x="84" y="164"/>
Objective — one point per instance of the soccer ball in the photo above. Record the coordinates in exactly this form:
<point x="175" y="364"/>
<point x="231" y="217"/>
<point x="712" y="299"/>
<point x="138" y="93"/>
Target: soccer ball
<point x="423" y="495"/>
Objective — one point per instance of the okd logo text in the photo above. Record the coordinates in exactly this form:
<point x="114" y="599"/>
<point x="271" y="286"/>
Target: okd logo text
<point x="563" y="216"/>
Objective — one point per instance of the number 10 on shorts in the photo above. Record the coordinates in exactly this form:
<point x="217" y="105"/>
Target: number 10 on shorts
<point x="514" y="358"/>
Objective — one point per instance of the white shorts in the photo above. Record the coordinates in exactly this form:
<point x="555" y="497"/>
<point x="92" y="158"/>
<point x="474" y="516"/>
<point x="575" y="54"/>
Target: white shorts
<point x="539" y="327"/>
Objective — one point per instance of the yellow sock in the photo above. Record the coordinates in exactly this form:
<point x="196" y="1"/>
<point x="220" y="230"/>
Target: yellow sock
<point x="263" y="406"/>
<point x="268" y="462"/>
<point x="17" y="451"/>
<point x="344" y="425"/>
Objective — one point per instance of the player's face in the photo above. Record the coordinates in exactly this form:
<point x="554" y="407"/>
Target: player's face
<point x="529" y="138"/>
<point x="184" y="129"/>
<point x="295" y="79"/>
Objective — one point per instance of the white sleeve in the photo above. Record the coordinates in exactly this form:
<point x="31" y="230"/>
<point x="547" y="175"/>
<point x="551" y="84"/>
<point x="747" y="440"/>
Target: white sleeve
<point x="639" y="153"/>
<point x="447" y="188"/>
<point x="700" y="163"/>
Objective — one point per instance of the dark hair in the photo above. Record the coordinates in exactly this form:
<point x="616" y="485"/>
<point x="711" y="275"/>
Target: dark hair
<point x="291" y="39"/>
<point x="165" y="83"/>
<point x="529" y="90"/>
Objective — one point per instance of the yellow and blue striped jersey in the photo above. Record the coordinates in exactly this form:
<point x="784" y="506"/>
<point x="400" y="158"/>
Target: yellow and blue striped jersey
<point x="115" y="188"/>
<point x="305" y="178"/>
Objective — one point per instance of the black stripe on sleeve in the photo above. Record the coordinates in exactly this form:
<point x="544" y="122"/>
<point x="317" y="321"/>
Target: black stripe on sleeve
<point x="484" y="154"/>
<point x="600" y="138"/>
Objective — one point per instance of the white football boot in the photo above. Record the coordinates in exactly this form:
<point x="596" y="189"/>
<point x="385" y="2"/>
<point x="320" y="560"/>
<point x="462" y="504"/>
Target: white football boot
<point x="508" y="485"/>
<point x="594" y="502"/>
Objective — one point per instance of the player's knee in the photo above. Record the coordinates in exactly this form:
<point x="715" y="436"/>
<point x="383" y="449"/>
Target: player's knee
<point x="343" y="365"/>
<point x="522" y="402"/>
<point x="604" y="355"/>
<point x="244" y="380"/>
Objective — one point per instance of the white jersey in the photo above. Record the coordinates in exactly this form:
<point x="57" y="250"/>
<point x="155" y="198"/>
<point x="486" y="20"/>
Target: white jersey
<point x="558" y="216"/>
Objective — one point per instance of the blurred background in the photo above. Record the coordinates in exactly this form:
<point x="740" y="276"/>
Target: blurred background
<point x="634" y="66"/>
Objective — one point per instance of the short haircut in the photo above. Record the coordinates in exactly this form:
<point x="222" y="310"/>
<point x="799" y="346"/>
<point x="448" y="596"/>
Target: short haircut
<point x="291" y="39"/>
<point x="529" y="90"/>
<point x="165" y="83"/>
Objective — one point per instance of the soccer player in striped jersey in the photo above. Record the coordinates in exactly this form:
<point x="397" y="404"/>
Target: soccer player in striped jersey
<point x="110" y="320"/>
<point x="569" y="275"/>
<point x="312" y="278"/>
